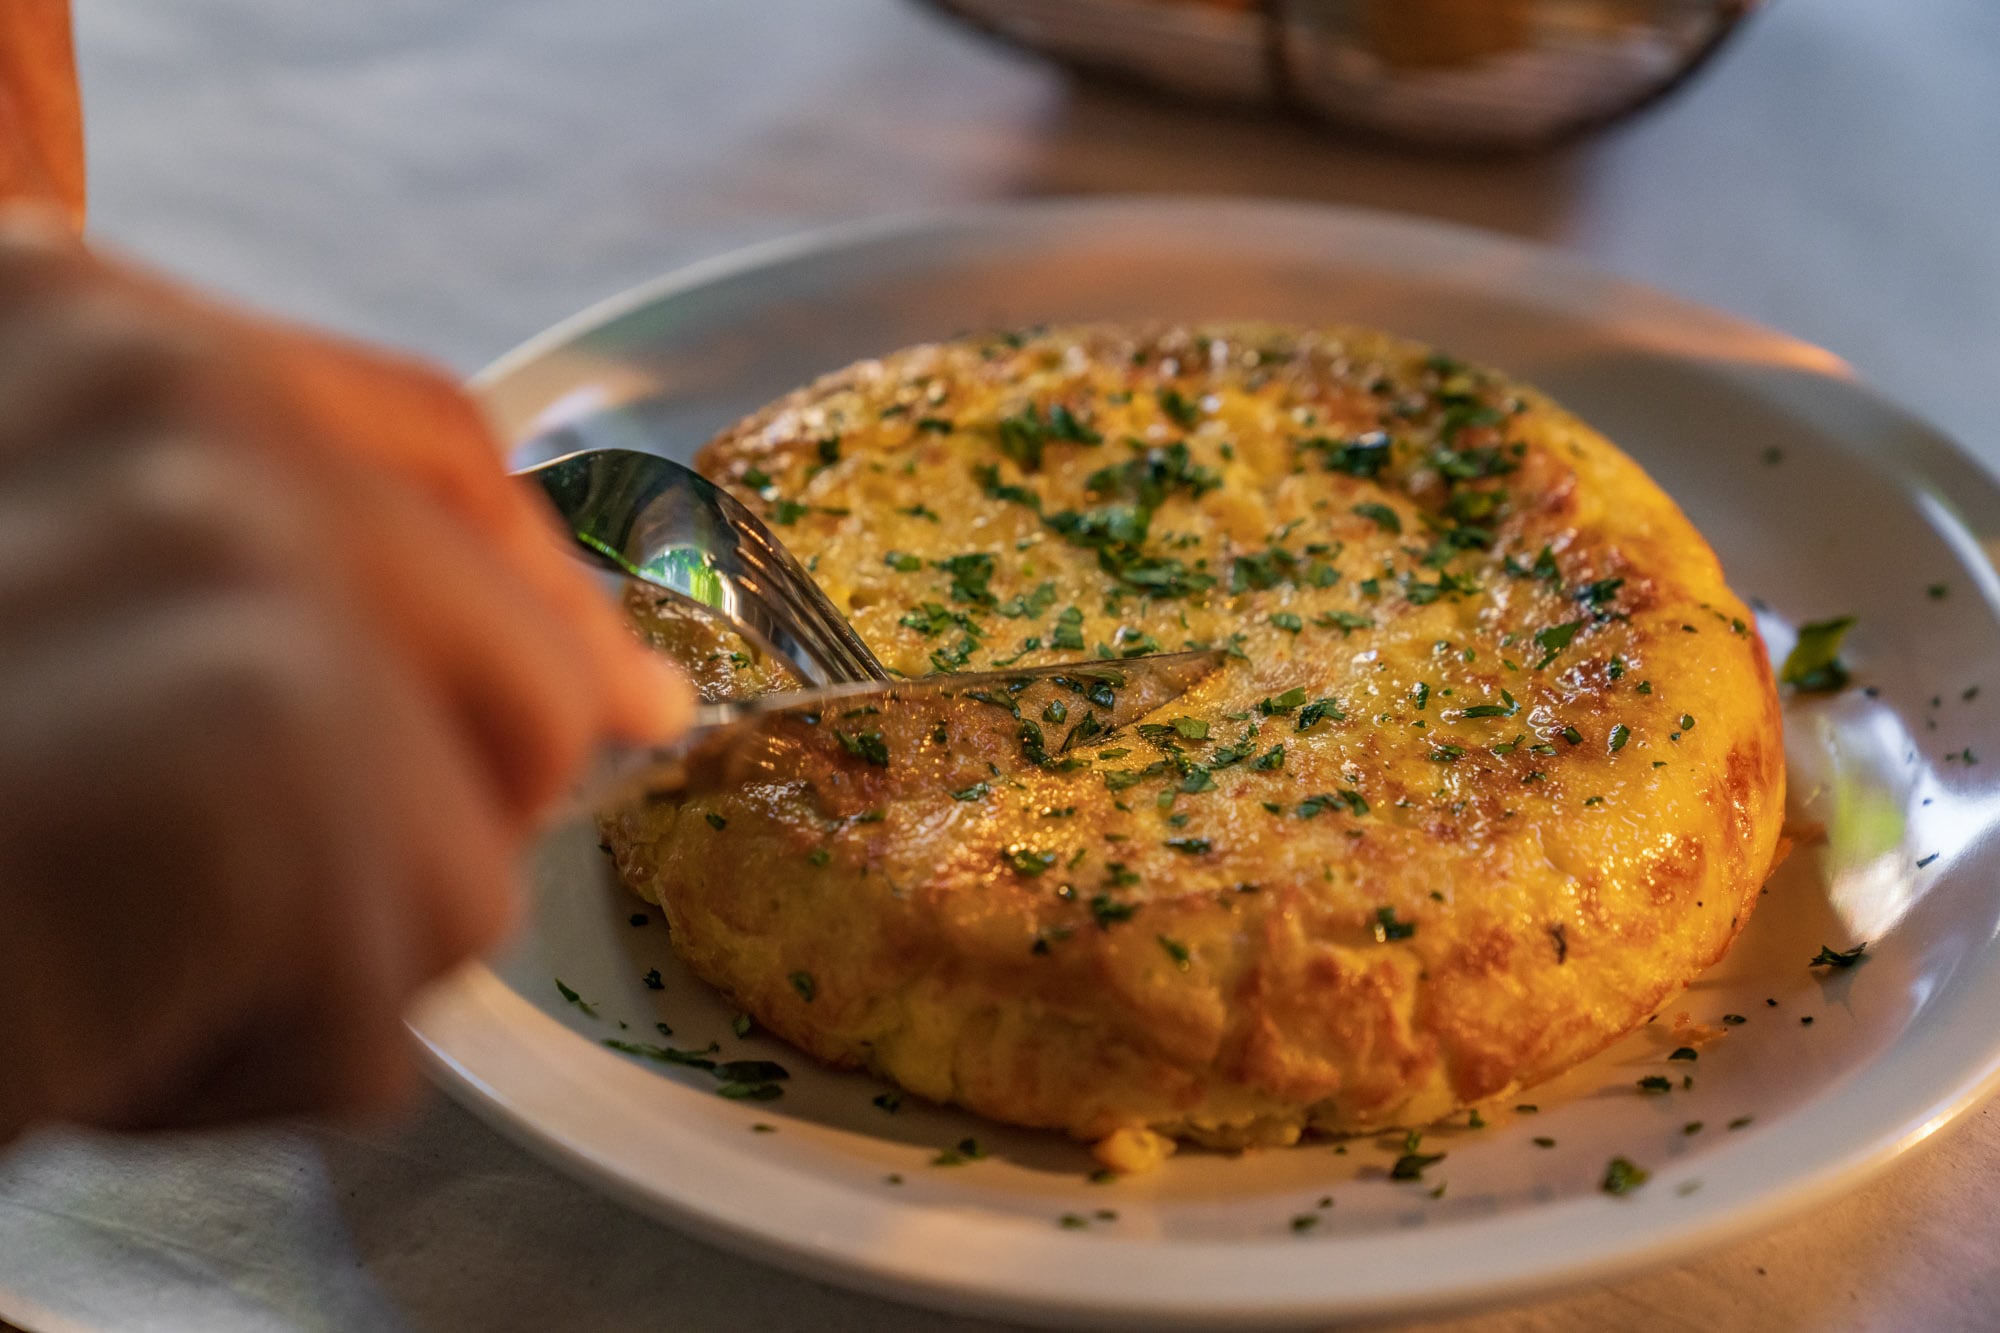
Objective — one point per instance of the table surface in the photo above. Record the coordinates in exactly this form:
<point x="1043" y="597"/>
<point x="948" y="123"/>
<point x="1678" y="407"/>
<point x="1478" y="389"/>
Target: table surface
<point x="452" y="175"/>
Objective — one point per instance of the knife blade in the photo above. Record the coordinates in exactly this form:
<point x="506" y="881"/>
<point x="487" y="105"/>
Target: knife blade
<point x="734" y="741"/>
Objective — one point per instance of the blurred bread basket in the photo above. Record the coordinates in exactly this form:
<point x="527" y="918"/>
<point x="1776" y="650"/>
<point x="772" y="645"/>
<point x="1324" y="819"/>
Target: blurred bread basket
<point x="1468" y="75"/>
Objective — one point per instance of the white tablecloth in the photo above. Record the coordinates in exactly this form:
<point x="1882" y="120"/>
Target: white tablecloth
<point x="452" y="175"/>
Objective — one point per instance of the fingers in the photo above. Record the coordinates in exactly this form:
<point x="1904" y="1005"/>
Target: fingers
<point x="415" y="424"/>
<point x="288" y="666"/>
<point x="111" y="354"/>
<point x="276" y="823"/>
<point x="521" y="687"/>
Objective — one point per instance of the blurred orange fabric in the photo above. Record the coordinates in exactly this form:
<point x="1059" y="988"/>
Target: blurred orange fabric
<point x="41" y="116"/>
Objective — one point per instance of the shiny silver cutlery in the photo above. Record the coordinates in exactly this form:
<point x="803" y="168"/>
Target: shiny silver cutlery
<point x="649" y="518"/>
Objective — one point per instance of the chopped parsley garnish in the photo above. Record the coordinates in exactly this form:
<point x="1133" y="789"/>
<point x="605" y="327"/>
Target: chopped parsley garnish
<point x="930" y="620"/>
<point x="1024" y="435"/>
<point x="1388" y="928"/>
<point x="803" y="983"/>
<point x="1544" y="567"/>
<point x="653" y="979"/>
<point x="1655" y="1083"/>
<point x="1622" y="1176"/>
<point x="715" y="821"/>
<point x="1685" y="1053"/>
<point x="1541" y="1141"/>
<point x="1312" y="805"/>
<point x="1185" y="411"/>
<point x="1362" y="456"/>
<point x="751" y="1071"/>
<point x="1319" y="710"/>
<point x="1283" y="703"/>
<point x="1108" y="910"/>
<point x="867" y="746"/>
<point x="1598" y="593"/>
<point x="1272" y="758"/>
<point x="1175" y="950"/>
<point x="1028" y="606"/>
<point x="1506" y="708"/>
<point x="1412" y="1165"/>
<point x="1554" y="639"/>
<point x="1381" y="515"/>
<point x="1288" y="621"/>
<point x="972" y="793"/>
<point x="788" y="512"/>
<point x="572" y="997"/>
<point x="1034" y="747"/>
<point x="1814" y="666"/>
<point x="970" y="573"/>
<point x="665" y="1055"/>
<point x="903" y="562"/>
<point x="1619" y="735"/>
<point x="1154" y="474"/>
<point x="1190" y="846"/>
<point x="1344" y="621"/>
<point x="891" y="1101"/>
<point x="1839" y="958"/>
<point x="1029" y="862"/>
<point x="989" y="481"/>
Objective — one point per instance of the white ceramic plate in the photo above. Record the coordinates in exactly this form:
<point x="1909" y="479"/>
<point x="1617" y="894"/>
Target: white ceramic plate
<point x="1821" y="498"/>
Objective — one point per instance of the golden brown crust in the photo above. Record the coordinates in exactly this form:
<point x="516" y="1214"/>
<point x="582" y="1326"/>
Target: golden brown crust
<point x="1408" y="908"/>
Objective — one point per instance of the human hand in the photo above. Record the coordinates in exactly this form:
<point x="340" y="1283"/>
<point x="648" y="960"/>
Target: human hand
<point x="288" y="669"/>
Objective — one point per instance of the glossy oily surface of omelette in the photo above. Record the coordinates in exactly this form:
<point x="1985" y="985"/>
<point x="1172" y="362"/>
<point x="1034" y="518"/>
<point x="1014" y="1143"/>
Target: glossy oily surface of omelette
<point x="1494" y="766"/>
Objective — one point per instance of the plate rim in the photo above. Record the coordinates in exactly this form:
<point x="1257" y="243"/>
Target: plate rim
<point x="1666" y="1241"/>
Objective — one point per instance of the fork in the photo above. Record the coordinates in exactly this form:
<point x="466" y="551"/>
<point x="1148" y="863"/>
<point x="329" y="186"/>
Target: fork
<point x="651" y="519"/>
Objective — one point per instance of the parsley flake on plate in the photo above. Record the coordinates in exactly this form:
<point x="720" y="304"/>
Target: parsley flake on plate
<point x="1839" y="958"/>
<point x="1814" y="666"/>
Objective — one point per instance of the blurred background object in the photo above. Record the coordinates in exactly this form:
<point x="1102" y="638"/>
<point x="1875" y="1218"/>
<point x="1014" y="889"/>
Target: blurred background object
<point x="1474" y="75"/>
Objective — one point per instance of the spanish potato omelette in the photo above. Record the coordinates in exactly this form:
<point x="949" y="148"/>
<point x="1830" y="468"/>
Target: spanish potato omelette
<point x="1493" y="769"/>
